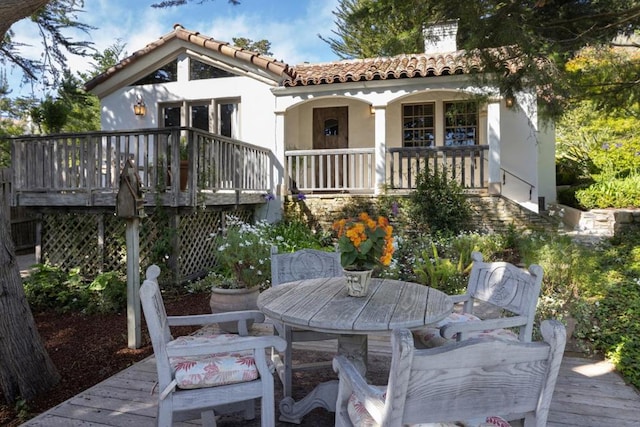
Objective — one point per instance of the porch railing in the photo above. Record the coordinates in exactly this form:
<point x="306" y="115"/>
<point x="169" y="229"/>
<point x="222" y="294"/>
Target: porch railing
<point x="84" y="169"/>
<point x="331" y="170"/>
<point x="465" y="164"/>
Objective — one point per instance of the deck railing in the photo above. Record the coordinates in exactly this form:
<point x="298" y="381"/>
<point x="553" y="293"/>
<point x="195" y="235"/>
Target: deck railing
<point x="84" y="169"/>
<point x="465" y="164"/>
<point x="353" y="170"/>
<point x="330" y="170"/>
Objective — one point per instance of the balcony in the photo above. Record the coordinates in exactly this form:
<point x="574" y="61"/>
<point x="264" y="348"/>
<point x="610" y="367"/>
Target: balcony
<point x="84" y="169"/>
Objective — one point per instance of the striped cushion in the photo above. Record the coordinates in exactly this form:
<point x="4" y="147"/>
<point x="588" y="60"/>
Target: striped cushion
<point x="430" y="336"/>
<point x="213" y="369"/>
<point x="360" y="417"/>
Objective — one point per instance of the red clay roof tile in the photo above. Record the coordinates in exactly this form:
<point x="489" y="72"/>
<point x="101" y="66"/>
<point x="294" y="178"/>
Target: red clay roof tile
<point x="395" y="67"/>
<point x="277" y="67"/>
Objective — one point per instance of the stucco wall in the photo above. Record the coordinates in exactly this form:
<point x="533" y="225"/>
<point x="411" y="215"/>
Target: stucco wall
<point x="256" y="117"/>
<point x="299" y="122"/>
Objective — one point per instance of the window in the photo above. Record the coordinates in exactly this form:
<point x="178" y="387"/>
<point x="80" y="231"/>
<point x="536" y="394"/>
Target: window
<point x="331" y="127"/>
<point x="166" y="73"/>
<point x="228" y="120"/>
<point x="198" y="70"/>
<point x="200" y="117"/>
<point x="460" y="123"/>
<point x="418" y="128"/>
<point x="171" y="116"/>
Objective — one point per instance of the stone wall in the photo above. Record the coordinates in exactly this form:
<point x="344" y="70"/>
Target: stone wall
<point x="599" y="222"/>
<point x="490" y="213"/>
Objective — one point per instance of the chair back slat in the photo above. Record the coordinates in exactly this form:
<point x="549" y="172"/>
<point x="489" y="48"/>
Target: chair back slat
<point x="156" y="318"/>
<point x="507" y="287"/>
<point x="474" y="378"/>
<point x="303" y="264"/>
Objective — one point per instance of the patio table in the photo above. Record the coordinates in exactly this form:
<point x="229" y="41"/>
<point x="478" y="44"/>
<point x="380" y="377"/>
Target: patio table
<point x="323" y="305"/>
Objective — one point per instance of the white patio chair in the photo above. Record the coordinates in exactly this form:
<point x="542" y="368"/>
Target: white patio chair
<point x="209" y="374"/>
<point x="500" y="286"/>
<point x="289" y="267"/>
<point x="480" y="381"/>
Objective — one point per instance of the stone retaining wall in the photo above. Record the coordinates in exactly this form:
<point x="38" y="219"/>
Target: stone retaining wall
<point x="490" y="213"/>
<point x="599" y="222"/>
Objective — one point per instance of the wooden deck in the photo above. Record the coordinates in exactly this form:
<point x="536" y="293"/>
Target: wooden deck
<point x="589" y="393"/>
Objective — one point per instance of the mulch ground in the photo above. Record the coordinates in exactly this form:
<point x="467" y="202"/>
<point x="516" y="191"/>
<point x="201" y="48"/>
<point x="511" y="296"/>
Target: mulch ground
<point x="87" y="349"/>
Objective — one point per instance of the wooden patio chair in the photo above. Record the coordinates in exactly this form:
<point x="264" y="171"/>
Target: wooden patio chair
<point x="500" y="286"/>
<point x="479" y="382"/>
<point x="289" y="267"/>
<point x="208" y="374"/>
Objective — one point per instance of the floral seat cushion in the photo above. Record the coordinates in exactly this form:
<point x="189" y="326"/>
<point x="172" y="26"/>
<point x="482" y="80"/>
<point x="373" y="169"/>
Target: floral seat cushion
<point x="213" y="369"/>
<point x="360" y="417"/>
<point x="430" y="336"/>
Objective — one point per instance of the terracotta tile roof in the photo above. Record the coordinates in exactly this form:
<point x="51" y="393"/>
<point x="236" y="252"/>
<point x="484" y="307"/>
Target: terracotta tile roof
<point x="395" y="67"/>
<point x="277" y="67"/>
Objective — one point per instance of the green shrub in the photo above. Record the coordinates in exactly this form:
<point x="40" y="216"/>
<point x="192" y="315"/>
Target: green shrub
<point x="611" y="193"/>
<point x="49" y="287"/>
<point x="439" y="204"/>
<point x="445" y="274"/>
<point x="108" y="293"/>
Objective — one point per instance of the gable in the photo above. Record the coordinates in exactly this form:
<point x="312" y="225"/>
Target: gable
<point x="206" y="50"/>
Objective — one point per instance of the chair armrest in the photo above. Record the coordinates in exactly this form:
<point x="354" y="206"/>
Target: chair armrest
<point x="448" y="331"/>
<point x="456" y="299"/>
<point x="208" y="319"/>
<point x="240" y="344"/>
<point x="352" y="381"/>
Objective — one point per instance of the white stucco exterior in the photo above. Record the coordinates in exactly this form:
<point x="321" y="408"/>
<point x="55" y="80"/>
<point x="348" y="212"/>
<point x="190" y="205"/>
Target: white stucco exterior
<point x="521" y="151"/>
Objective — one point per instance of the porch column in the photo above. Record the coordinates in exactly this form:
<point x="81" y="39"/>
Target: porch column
<point x="280" y="179"/>
<point x="380" y="132"/>
<point x="493" y="138"/>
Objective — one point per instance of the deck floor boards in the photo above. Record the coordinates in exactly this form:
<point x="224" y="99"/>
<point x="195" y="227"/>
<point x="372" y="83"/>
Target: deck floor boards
<point x="589" y="393"/>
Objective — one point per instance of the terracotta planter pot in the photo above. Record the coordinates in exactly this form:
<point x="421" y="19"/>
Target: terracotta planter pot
<point x="224" y="300"/>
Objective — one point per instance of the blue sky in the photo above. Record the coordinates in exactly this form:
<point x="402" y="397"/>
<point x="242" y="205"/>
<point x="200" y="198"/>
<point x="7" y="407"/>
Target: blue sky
<point x="292" y="27"/>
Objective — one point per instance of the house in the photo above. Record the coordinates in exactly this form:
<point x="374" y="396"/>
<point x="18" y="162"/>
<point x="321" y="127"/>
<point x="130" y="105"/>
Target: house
<point x="353" y="126"/>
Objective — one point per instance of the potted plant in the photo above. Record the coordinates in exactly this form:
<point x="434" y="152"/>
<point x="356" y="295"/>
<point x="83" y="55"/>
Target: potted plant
<point x="364" y="243"/>
<point x="243" y="267"/>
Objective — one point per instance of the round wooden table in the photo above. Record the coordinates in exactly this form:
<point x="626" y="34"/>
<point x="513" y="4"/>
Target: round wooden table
<point x="323" y="305"/>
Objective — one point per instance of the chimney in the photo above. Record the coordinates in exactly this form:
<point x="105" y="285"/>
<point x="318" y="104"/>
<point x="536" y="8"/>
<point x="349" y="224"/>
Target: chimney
<point x="441" y="37"/>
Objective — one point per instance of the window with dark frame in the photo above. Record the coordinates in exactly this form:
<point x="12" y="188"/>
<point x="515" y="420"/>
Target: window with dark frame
<point x="198" y="70"/>
<point x="200" y="117"/>
<point x="460" y="123"/>
<point x="171" y="116"/>
<point x="418" y="125"/>
<point x="165" y="74"/>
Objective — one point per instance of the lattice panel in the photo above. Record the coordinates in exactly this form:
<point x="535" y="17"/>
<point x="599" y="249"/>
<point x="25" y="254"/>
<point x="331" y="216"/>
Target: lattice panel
<point x="197" y="246"/>
<point x="115" y="244"/>
<point x="69" y="240"/>
<point x="73" y="240"/>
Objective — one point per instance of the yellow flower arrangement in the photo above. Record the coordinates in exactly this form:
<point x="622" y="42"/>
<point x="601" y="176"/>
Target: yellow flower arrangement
<point x="364" y="242"/>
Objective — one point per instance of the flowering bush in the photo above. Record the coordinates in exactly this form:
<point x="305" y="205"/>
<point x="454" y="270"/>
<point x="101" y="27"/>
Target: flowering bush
<point x="243" y="254"/>
<point x="364" y="242"/>
<point x="243" y="251"/>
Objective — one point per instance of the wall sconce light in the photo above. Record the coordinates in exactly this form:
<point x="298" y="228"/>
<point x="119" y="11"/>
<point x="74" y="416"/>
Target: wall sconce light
<point x="139" y="109"/>
<point x="509" y="99"/>
<point x="371" y="109"/>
